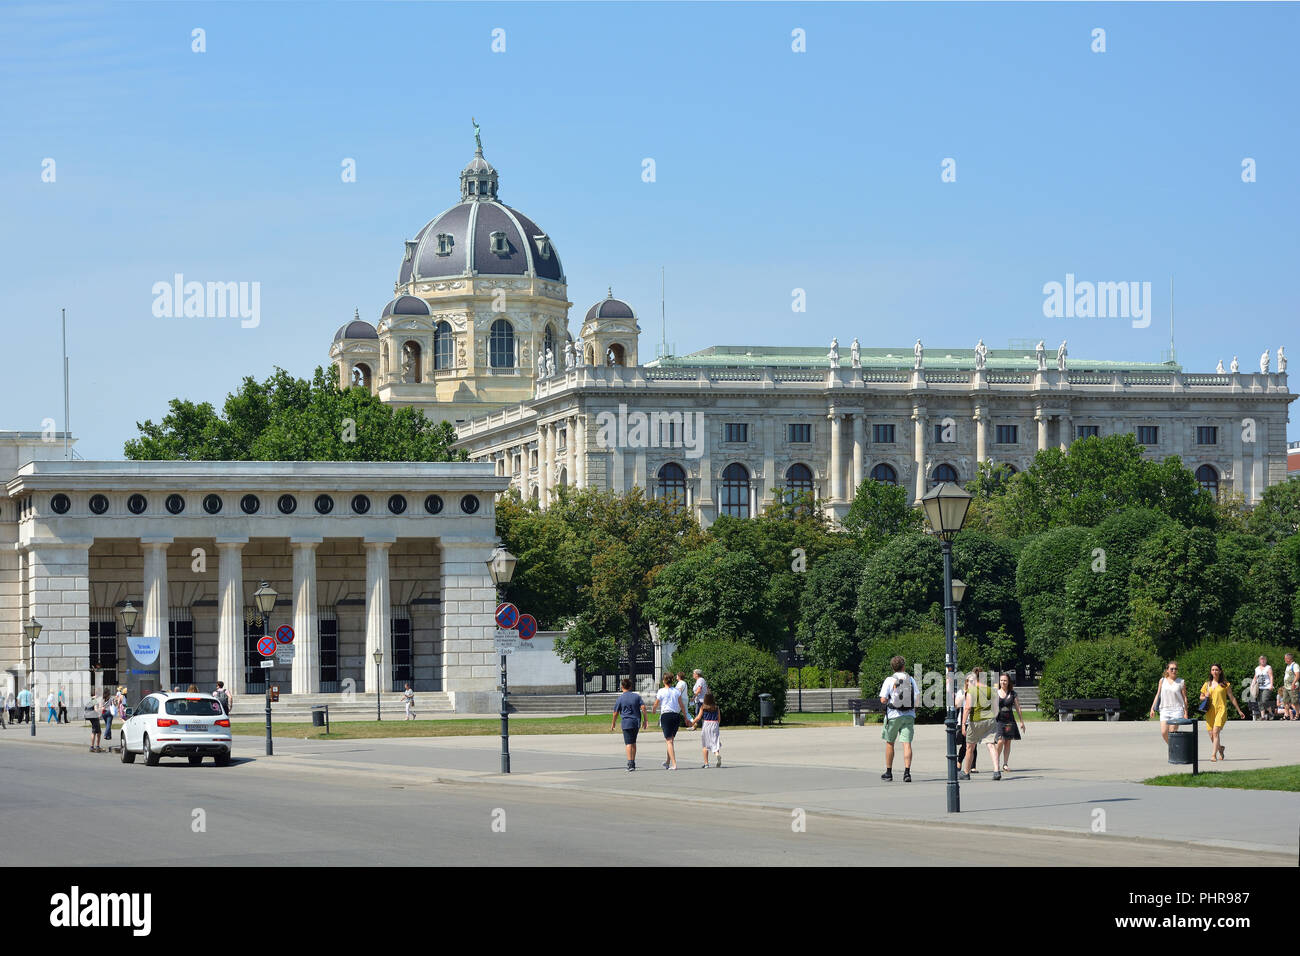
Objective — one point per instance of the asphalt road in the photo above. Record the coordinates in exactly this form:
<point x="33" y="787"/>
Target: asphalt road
<point x="63" y="806"/>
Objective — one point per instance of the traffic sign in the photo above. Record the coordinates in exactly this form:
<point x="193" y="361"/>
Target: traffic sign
<point x="506" y="641"/>
<point x="507" y="615"/>
<point x="266" y="646"/>
<point x="284" y="634"/>
<point x="285" y="653"/>
<point x="527" y="627"/>
<point x="266" y="664"/>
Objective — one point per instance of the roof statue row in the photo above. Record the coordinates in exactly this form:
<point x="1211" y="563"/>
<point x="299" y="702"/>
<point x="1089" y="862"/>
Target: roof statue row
<point x="1235" y="367"/>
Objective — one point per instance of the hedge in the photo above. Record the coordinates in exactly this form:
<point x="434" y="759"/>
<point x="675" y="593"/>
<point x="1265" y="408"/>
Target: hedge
<point x="736" y="673"/>
<point x="1238" y="660"/>
<point x="814" y="677"/>
<point x="1123" y="667"/>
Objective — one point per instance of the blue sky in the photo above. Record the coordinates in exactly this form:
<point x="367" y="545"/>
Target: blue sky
<point x="776" y="170"/>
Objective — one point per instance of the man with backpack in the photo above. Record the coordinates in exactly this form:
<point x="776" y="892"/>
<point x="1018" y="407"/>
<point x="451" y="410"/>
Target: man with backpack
<point x="898" y="693"/>
<point x="223" y="697"/>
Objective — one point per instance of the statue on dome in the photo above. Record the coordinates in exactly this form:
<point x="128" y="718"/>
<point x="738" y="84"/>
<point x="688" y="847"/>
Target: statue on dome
<point x="834" y="353"/>
<point x="981" y="355"/>
<point x="408" y="368"/>
<point x="855" y="353"/>
<point x="478" y="143"/>
<point x="918" y="350"/>
<point x="568" y="354"/>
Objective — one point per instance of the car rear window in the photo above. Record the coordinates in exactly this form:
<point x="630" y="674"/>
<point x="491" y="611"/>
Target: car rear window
<point x="196" y="707"/>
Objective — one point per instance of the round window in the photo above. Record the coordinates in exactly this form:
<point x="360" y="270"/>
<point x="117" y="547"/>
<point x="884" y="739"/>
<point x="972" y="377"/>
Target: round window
<point x="136" y="504"/>
<point x="396" y="504"/>
<point x="98" y="504"/>
<point x="433" y="504"/>
<point x="469" y="504"/>
<point x="175" y="504"/>
<point x="360" y="504"/>
<point x="212" y="504"/>
<point x="249" y="504"/>
<point x="60" y="504"/>
<point x="287" y="504"/>
<point x="324" y="504"/>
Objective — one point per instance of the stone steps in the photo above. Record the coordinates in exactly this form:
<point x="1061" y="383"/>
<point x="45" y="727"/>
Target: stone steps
<point x="359" y="707"/>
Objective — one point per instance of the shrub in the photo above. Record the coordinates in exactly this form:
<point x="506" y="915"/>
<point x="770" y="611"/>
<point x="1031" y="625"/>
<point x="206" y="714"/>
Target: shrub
<point x="1123" y="667"/>
<point x="816" y="677"/>
<point x="1238" y="660"/>
<point x="924" y="652"/>
<point x="736" y="673"/>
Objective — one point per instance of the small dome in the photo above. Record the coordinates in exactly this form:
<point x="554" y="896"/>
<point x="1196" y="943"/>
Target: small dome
<point x="610" y="308"/>
<point x="406" y="305"/>
<point x="358" y="328"/>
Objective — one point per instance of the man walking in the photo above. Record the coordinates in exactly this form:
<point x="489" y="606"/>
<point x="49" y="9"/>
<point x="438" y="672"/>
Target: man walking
<point x="24" y="705"/>
<point x="408" y="699"/>
<point x="223" y="697"/>
<point x="681" y="689"/>
<point x="63" y="708"/>
<point x="698" y="690"/>
<point x="1290" y="688"/>
<point x="898" y="693"/>
<point x="977" y="720"/>
<point x="1262" y="685"/>
<point x="631" y="708"/>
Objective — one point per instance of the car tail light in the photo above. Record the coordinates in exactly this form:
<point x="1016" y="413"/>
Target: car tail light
<point x="223" y="723"/>
<point x="165" y="722"/>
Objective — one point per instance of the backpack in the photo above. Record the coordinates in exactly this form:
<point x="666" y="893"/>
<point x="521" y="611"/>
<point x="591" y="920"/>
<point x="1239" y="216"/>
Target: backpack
<point x="902" y="694"/>
<point x="223" y="698"/>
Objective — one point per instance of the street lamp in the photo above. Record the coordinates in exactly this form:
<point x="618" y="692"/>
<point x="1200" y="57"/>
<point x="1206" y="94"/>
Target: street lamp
<point x="378" y="657"/>
<point x="264" y="598"/>
<point x="129" y="614"/>
<point x="798" y="663"/>
<point x="33" y="630"/>
<point x="501" y="566"/>
<point x="945" y="508"/>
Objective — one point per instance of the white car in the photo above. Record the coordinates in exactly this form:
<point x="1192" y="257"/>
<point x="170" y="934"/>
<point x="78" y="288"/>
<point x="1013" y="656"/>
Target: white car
<point x="177" y="725"/>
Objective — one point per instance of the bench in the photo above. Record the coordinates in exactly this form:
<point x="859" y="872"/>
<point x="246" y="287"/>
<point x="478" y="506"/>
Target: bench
<point x="1104" y="706"/>
<point x="860" y="707"/>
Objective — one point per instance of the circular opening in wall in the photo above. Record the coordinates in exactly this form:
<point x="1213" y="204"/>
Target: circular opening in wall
<point x="433" y="504"/>
<point x="98" y="504"/>
<point x="60" y="504"/>
<point x="360" y="504"/>
<point x="396" y="504"/>
<point x="249" y="504"/>
<point x="174" y="504"/>
<point x="136" y="504"/>
<point x="287" y="504"/>
<point x="469" y="504"/>
<point x="324" y="504"/>
<point x="212" y="504"/>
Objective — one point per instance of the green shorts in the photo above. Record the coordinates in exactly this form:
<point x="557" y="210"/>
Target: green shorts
<point x="1288" y="696"/>
<point x="898" y="728"/>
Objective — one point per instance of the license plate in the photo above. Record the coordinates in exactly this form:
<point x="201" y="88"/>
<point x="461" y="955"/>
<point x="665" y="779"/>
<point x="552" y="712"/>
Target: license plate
<point x="197" y="728"/>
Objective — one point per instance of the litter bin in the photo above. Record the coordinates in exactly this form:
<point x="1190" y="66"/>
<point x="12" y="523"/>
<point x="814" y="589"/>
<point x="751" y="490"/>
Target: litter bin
<point x="1183" y="741"/>
<point x="320" y="717"/>
<point x="766" y="709"/>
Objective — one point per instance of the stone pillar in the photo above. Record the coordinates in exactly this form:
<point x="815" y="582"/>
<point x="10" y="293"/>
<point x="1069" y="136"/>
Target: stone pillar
<point x="859" y="443"/>
<point x="981" y="434"/>
<point x="470" y="670"/>
<point x="544" y="453"/>
<point x="580" y="431"/>
<point x="1040" y="416"/>
<point x="571" y="448"/>
<point x="1066" y="426"/>
<point x="836" y="466"/>
<point x="156" y="615"/>
<point x="57" y="586"/>
<point x="918" y="448"/>
<point x="1258" y="452"/>
<point x="230" y="611"/>
<point x="379" y="615"/>
<point x="306" y="636"/>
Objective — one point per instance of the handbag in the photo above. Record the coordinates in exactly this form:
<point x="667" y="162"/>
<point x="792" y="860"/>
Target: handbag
<point x="1204" y="705"/>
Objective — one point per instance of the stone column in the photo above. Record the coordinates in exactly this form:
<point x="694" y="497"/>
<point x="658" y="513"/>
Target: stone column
<point x="543" y="466"/>
<point x="379" y="614"/>
<point x="981" y="434"/>
<point x="306" y="636"/>
<point x="836" y="466"/>
<point x="230" y="620"/>
<point x="156" y="611"/>
<point x="470" y="670"/>
<point x="581" y="451"/>
<point x="918" y="448"/>
<point x="1040" y="416"/>
<point x="1258" y="452"/>
<point x="571" y="448"/>
<point x="859" y="444"/>
<point x="1065" y="425"/>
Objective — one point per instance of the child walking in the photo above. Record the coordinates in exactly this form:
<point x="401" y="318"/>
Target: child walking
<point x="711" y="738"/>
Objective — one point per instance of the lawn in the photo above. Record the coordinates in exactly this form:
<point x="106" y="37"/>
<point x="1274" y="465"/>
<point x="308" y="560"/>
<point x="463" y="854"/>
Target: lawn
<point x="1265" y="778"/>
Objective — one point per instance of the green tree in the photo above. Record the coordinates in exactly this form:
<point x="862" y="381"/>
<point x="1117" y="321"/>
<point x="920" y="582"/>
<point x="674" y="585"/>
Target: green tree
<point x="548" y="575"/>
<point x="1044" y="563"/>
<point x="827" y="607"/>
<point x="1173" y="591"/>
<point x="1097" y="590"/>
<point x="712" y="593"/>
<point x="901" y="588"/>
<point x="1277" y="515"/>
<point x="1271" y="611"/>
<point x="878" y="513"/>
<point x="989" y="614"/>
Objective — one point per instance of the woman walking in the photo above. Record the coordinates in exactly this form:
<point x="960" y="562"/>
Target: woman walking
<point x="959" y="701"/>
<point x="1005" y="725"/>
<point x="1215" y="694"/>
<point x="711" y="738"/>
<point x="670" y="699"/>
<point x="1171" y="698"/>
<point x="408" y="700"/>
<point x="91" y="712"/>
<point x="107" y="710"/>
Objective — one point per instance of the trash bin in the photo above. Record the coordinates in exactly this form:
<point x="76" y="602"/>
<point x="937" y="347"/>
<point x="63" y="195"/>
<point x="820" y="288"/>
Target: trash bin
<point x="320" y="716"/>
<point x="1183" y="740"/>
<point x="766" y="709"/>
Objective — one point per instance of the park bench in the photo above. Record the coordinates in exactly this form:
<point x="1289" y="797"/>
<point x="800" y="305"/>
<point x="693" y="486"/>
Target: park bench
<point x="860" y="707"/>
<point x="1106" y="706"/>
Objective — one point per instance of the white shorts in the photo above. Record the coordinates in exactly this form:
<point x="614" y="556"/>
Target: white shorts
<point x="1166" y="714"/>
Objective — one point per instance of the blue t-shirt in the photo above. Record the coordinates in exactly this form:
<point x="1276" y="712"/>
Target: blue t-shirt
<point x="629" y="704"/>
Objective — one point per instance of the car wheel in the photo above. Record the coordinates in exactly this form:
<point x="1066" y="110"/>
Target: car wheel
<point x="195" y="760"/>
<point x="222" y="760"/>
<point x="150" y="758"/>
<point x="127" y="755"/>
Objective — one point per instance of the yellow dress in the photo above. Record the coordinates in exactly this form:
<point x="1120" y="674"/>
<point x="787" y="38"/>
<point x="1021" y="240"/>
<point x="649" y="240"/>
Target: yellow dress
<point x="1216" y="715"/>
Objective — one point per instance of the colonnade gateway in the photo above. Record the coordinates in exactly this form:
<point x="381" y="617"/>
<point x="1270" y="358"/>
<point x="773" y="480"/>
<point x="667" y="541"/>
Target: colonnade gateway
<point x="363" y="556"/>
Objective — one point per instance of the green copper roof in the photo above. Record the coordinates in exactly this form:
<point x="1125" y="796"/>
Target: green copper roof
<point x="751" y="356"/>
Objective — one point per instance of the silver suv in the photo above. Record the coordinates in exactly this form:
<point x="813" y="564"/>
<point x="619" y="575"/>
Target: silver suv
<point x="177" y="725"/>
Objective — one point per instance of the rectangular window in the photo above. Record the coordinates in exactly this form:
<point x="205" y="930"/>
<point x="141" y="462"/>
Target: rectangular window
<point x="735" y="432"/>
<point x="945" y="432"/>
<point x="1007" y="435"/>
<point x="328" y="627"/>
<point x="670" y="434"/>
<point x="103" y="645"/>
<point x="180" y="638"/>
<point x="254" y="673"/>
<point x="1207" y="435"/>
<point x="1087" y="431"/>
<point x="402" y="655"/>
<point x="882" y="434"/>
<point x="800" y="433"/>
<point x="1148" y="435"/>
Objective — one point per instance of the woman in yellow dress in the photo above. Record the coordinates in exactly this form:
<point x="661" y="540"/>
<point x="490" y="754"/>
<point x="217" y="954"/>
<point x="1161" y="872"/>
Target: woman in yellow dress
<point x="1218" y="691"/>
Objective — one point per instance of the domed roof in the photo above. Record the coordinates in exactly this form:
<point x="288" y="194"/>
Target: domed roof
<point x="610" y="308"/>
<point x="406" y="305"/>
<point x="480" y="236"/>
<point x="358" y="328"/>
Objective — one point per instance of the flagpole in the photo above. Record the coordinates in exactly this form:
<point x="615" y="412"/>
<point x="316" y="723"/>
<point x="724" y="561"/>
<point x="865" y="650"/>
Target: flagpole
<point x="65" y="382"/>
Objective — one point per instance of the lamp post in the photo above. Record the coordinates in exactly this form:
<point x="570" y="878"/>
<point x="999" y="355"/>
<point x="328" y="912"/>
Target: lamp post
<point x="264" y="597"/>
<point x="378" y="658"/>
<point x="33" y="630"/>
<point x="798" y="663"/>
<point x="501" y="566"/>
<point x="945" y="508"/>
<point x="129" y="614"/>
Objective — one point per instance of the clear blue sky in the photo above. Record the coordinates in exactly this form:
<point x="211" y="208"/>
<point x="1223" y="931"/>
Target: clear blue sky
<point x="776" y="170"/>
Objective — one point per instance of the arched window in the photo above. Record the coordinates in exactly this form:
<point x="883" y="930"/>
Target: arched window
<point x="798" y="481"/>
<point x="615" y="355"/>
<point x="943" y="473"/>
<point x="443" y="347"/>
<point x="885" y="474"/>
<point x="1208" y="478"/>
<point x="412" y="360"/>
<point x="735" y="491"/>
<point x="501" y="345"/>
<point x="589" y="356"/>
<point x="564" y="476"/>
<point x="549" y="341"/>
<point x="383" y="363"/>
<point x="672" y="484"/>
<point x="361" y="375"/>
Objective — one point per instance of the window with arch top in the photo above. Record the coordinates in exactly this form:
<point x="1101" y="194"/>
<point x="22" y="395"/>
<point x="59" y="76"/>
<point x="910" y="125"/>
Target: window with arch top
<point x="1208" y="478"/>
<point x="735" y="491"/>
<point x="798" y="482"/>
<point x="443" y="347"/>
<point x="501" y="345"/>
<point x="943" y="472"/>
<point x="884" y="474"/>
<point x="672" y="484"/>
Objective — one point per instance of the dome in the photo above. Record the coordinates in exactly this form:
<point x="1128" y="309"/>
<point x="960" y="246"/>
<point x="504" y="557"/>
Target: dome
<point x="406" y="305"/>
<point x="610" y="308"/>
<point x="358" y="328"/>
<point x="480" y="236"/>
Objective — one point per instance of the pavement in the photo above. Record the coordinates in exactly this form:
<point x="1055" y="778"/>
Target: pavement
<point x="1070" y="780"/>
